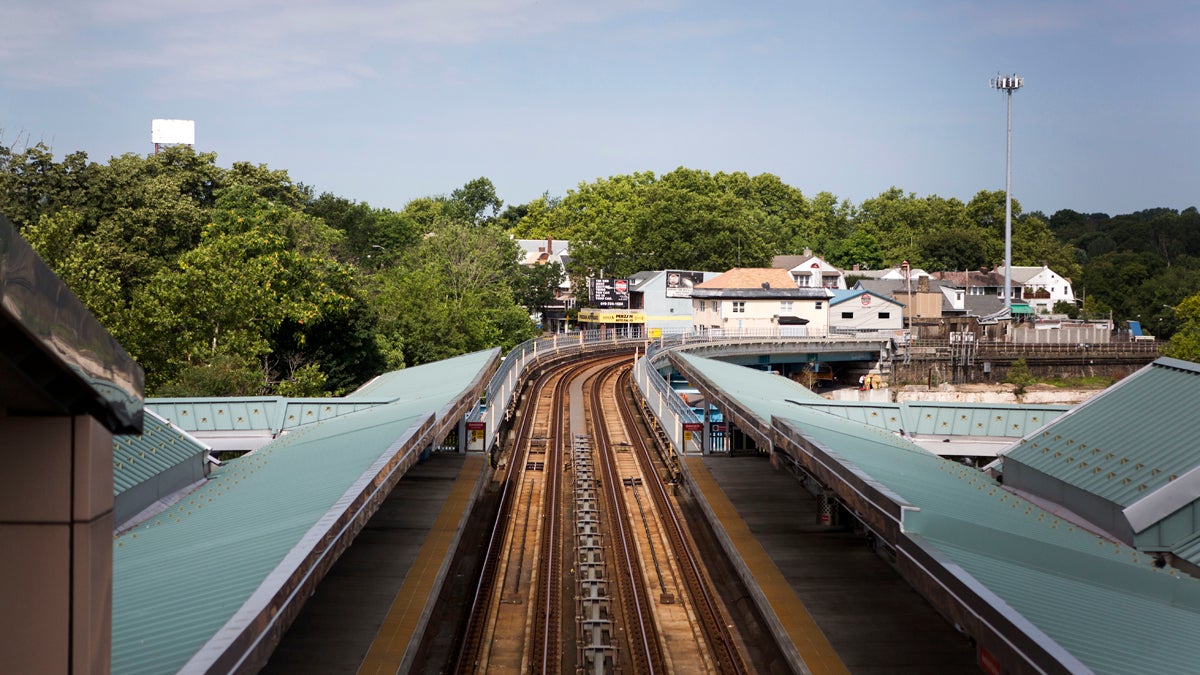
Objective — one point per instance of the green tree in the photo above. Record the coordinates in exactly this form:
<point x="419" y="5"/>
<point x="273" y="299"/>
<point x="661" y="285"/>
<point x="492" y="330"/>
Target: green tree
<point x="475" y="202"/>
<point x="1185" y="343"/>
<point x="452" y="294"/>
<point x="1068" y="308"/>
<point x="33" y="184"/>
<point x="80" y="264"/>
<point x="534" y="220"/>
<point x="373" y="237"/>
<point x="221" y="375"/>
<point x="830" y="223"/>
<point x="896" y="221"/>
<point x="258" y="266"/>
<point x="1020" y="377"/>
<point x="538" y="287"/>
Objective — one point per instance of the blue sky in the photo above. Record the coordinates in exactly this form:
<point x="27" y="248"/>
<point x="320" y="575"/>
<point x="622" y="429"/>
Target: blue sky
<point x="384" y="102"/>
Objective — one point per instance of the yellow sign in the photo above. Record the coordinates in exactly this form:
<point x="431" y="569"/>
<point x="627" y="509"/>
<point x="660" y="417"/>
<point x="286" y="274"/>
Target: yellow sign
<point x="655" y="332"/>
<point x="598" y="316"/>
<point x="687" y="436"/>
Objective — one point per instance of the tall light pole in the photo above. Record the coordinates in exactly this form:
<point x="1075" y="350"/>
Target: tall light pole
<point x="1008" y="84"/>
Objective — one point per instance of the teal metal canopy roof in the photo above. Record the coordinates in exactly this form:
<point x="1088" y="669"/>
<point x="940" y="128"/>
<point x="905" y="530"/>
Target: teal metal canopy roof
<point x="160" y="446"/>
<point x="1129" y="441"/>
<point x="260" y="413"/>
<point x="948" y="419"/>
<point x="251" y="413"/>
<point x="189" y="583"/>
<point x="1094" y="603"/>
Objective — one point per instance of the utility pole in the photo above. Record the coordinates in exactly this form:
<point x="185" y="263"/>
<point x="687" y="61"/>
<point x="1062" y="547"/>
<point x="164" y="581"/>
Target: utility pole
<point x="1008" y="84"/>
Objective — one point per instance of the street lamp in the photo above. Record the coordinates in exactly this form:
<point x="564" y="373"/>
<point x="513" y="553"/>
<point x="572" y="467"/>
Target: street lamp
<point x="1008" y="84"/>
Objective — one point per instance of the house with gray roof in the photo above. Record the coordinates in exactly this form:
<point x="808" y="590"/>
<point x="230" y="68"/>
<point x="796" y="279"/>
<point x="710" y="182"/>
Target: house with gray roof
<point x="853" y="311"/>
<point x="760" y="299"/>
<point x="811" y="271"/>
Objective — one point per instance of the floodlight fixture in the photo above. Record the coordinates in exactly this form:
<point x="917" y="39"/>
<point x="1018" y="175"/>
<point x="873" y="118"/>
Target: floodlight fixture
<point x="1008" y="84"/>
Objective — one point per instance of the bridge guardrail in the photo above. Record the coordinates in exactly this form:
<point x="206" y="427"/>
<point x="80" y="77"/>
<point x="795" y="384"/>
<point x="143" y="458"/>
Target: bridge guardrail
<point x="669" y="409"/>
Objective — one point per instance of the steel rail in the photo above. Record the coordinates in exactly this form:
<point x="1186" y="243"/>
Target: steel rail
<point x="468" y="651"/>
<point x="650" y="658"/>
<point x="721" y="642"/>
<point x="545" y="630"/>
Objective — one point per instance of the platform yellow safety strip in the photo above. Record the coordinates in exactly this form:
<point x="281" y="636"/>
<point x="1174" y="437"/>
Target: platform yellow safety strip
<point x="808" y="638"/>
<point x="392" y="641"/>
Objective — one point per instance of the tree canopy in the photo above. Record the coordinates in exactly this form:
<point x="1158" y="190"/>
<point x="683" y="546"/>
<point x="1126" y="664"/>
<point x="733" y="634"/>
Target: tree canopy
<point x="241" y="281"/>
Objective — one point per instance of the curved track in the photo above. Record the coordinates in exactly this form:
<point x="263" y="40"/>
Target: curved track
<point x="521" y="617"/>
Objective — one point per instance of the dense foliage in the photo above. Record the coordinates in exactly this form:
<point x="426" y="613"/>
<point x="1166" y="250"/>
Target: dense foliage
<point x="241" y="281"/>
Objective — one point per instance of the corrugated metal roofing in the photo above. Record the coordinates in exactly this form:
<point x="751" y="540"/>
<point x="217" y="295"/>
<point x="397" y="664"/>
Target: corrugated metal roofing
<point x="159" y="447"/>
<point x="948" y="419"/>
<point x="257" y="413"/>
<point x="298" y="412"/>
<point x="979" y="419"/>
<point x="1189" y="550"/>
<point x="408" y="383"/>
<point x="178" y="578"/>
<point x="1127" y="441"/>
<point x="889" y="416"/>
<point x="1102" y="601"/>
<point x="268" y="414"/>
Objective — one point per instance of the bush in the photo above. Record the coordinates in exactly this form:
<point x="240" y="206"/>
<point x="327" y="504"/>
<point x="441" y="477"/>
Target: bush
<point x="1020" y="376"/>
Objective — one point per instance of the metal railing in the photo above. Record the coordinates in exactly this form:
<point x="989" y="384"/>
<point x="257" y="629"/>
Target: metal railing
<point x="1000" y="349"/>
<point x="666" y="405"/>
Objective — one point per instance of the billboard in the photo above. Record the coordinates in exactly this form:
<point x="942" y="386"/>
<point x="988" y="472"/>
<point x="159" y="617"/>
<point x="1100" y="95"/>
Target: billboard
<point x="608" y="293"/>
<point x="173" y="131"/>
<point x="680" y="283"/>
<point x="597" y="316"/>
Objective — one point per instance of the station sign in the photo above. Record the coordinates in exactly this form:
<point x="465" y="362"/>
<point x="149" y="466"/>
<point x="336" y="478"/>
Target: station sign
<point x="718" y="427"/>
<point x="690" y="428"/>
<point x="476" y="431"/>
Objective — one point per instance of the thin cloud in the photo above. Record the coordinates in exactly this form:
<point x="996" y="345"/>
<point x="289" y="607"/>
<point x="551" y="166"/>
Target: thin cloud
<point x="284" y="45"/>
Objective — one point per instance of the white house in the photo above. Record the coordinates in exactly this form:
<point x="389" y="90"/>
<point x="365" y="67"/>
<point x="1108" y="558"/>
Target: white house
<point x="811" y="271"/>
<point x="862" y="310"/>
<point x="544" y="252"/>
<point x="760" y="299"/>
<point x="890" y="274"/>
<point x="1041" y="287"/>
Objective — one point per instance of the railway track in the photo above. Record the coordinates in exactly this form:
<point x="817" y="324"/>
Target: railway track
<point x="587" y="547"/>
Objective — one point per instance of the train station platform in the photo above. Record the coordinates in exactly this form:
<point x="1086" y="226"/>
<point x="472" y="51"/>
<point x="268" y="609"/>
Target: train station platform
<point x="1036" y="591"/>
<point x="841" y="607"/>
<point x="214" y="581"/>
<point x="369" y="613"/>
